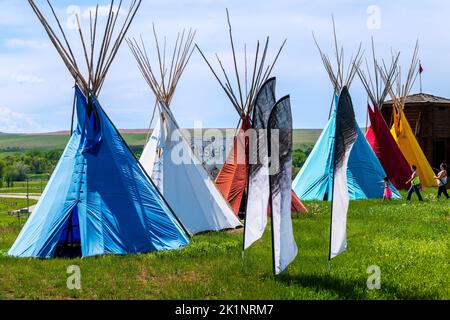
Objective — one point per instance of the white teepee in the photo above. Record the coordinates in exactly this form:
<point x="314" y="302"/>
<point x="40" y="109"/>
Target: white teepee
<point x="168" y="157"/>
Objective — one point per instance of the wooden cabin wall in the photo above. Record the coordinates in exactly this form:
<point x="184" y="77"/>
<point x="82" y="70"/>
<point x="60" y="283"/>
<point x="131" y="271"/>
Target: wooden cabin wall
<point x="434" y="129"/>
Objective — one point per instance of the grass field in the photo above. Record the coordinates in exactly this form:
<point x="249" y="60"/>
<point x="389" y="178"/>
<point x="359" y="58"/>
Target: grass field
<point x="409" y="242"/>
<point x="6" y="221"/>
<point x="11" y="204"/>
<point x="34" y="187"/>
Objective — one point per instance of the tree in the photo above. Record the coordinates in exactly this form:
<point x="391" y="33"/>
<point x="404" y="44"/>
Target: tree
<point x="33" y="153"/>
<point x="38" y="165"/>
<point x="20" y="171"/>
<point x="2" y="172"/>
<point x="9" y="176"/>
<point x="299" y="157"/>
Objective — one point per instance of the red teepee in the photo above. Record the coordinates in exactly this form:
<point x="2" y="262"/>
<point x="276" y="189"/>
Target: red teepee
<point x="232" y="180"/>
<point x="383" y="144"/>
<point x="297" y="205"/>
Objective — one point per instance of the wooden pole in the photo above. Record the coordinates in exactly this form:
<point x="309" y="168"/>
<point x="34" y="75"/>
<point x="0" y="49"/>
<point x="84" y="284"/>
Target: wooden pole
<point x="73" y="112"/>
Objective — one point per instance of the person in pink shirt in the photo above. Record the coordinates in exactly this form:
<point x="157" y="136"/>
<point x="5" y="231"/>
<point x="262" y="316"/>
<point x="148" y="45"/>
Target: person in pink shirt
<point x="387" y="189"/>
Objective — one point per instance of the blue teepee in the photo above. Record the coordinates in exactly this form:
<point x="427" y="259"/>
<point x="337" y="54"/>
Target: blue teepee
<point x="365" y="173"/>
<point x="98" y="199"/>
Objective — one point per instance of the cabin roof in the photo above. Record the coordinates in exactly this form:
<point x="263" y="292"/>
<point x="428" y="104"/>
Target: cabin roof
<point x="423" y="98"/>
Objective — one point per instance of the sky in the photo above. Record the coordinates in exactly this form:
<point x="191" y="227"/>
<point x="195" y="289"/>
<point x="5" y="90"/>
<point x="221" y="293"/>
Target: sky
<point x="36" y="89"/>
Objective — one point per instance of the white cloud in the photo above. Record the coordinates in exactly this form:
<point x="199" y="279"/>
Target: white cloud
<point x="299" y="70"/>
<point x="27" y="79"/>
<point x="13" y="122"/>
<point x="23" y="43"/>
<point x="103" y="11"/>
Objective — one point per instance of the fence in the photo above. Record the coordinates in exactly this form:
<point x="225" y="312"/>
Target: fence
<point x="32" y="186"/>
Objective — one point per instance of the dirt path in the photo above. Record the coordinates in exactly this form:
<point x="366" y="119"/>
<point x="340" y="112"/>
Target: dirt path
<point x="21" y="196"/>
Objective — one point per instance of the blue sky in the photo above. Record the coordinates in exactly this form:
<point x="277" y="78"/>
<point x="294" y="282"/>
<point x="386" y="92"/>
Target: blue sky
<point x="36" y="89"/>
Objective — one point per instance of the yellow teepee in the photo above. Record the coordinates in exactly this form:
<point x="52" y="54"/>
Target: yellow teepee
<point x="407" y="142"/>
<point x="401" y="130"/>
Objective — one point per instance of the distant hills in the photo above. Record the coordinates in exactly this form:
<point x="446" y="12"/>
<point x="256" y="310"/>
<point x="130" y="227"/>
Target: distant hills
<point x="66" y="133"/>
<point x="134" y="137"/>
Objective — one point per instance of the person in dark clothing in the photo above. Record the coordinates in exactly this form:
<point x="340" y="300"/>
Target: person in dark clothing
<point x="415" y="185"/>
<point x="442" y="180"/>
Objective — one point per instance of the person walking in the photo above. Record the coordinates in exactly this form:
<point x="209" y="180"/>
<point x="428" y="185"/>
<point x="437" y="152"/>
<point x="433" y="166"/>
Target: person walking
<point x="415" y="185"/>
<point x="387" y="189"/>
<point x="442" y="179"/>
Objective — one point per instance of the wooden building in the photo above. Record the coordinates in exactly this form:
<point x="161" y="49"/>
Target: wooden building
<point x="429" y="118"/>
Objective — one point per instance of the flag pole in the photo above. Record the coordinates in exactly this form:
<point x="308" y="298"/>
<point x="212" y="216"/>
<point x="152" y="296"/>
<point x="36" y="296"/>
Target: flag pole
<point x="272" y="229"/>
<point x="269" y="160"/>
<point x="247" y="156"/>
<point x="420" y="75"/>
<point x="243" y="239"/>
<point x="331" y="218"/>
<point x="332" y="200"/>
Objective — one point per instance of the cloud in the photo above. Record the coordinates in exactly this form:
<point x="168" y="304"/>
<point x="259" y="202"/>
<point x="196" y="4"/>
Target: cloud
<point x="299" y="68"/>
<point x="27" y="44"/>
<point x="14" y="122"/>
<point x="103" y="11"/>
<point x="27" y="79"/>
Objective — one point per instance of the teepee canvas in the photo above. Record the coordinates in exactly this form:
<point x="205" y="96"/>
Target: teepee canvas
<point x="365" y="173"/>
<point x="168" y="157"/>
<point x="378" y="134"/>
<point x="401" y="130"/>
<point x="407" y="142"/>
<point x="99" y="200"/>
<point x="232" y="180"/>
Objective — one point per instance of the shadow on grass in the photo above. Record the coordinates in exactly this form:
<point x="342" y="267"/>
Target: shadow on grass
<point x="345" y="289"/>
<point x="350" y="289"/>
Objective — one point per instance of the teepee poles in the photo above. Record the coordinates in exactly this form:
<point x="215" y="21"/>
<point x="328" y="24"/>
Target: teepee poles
<point x="400" y="94"/>
<point x="337" y="75"/>
<point x="97" y="67"/>
<point x="379" y="83"/>
<point x="243" y="93"/>
<point x="161" y="80"/>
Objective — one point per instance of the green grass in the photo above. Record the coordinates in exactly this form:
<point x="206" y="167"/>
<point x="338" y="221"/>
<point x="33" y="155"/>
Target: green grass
<point x="306" y="136"/>
<point x="25" y="141"/>
<point x="409" y="242"/>
<point x="9" y="205"/>
<point x="34" y="187"/>
<point x="10" y="225"/>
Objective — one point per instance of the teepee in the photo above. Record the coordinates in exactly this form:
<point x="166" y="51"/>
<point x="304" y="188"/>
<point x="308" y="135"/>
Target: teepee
<point x="232" y="179"/>
<point x="184" y="182"/>
<point x="378" y="134"/>
<point x="365" y="173"/>
<point x="99" y="200"/>
<point x="401" y="130"/>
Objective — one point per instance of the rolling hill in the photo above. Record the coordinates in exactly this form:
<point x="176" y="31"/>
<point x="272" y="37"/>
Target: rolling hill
<point x="58" y="140"/>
